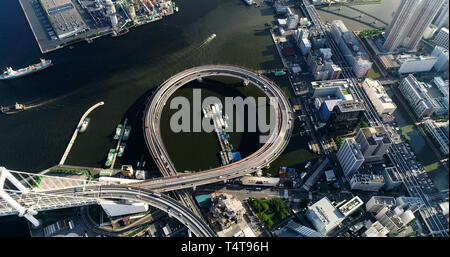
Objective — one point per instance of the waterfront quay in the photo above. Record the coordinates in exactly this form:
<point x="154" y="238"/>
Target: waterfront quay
<point x="61" y="23"/>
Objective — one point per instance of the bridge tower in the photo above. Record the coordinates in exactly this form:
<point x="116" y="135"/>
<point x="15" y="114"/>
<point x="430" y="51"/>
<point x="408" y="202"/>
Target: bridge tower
<point x="23" y="212"/>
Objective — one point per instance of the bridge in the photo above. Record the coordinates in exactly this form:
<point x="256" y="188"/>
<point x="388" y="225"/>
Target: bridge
<point x="27" y="203"/>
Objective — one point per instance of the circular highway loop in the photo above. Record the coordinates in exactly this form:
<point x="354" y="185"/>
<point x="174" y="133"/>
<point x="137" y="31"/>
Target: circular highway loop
<point x="276" y="144"/>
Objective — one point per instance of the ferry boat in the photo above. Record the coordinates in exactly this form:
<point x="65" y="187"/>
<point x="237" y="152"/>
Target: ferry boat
<point x="118" y="132"/>
<point x="10" y="73"/>
<point x="126" y="133"/>
<point x="121" y="149"/>
<point x="110" y="157"/>
<point x="12" y="109"/>
<point x="85" y="124"/>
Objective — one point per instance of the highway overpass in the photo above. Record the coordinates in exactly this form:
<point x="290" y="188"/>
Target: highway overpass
<point x="260" y="159"/>
<point x="147" y="191"/>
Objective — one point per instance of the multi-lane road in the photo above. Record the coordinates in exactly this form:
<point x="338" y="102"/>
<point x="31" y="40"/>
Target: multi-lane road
<point x="92" y="194"/>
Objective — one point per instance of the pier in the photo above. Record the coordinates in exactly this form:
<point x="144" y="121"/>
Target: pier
<point x="276" y="41"/>
<point x="77" y="129"/>
<point x="118" y="143"/>
<point x="215" y="113"/>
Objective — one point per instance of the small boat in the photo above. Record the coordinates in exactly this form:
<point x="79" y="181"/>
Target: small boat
<point x="121" y="149"/>
<point x="118" y="132"/>
<point x="126" y="133"/>
<point x="85" y="124"/>
<point x="12" y="109"/>
<point x="110" y="157"/>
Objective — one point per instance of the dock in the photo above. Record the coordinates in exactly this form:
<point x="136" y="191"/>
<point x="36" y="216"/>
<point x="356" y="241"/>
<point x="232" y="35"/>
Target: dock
<point x="77" y="129"/>
<point x="275" y="40"/>
<point x="215" y="113"/>
<point x="118" y="143"/>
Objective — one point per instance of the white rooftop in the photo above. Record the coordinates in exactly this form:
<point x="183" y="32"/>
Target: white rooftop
<point x="324" y="213"/>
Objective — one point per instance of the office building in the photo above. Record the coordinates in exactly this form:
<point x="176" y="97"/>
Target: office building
<point x="318" y="38"/>
<point x="282" y="7"/>
<point x="350" y="157"/>
<point x="366" y="182"/>
<point x="378" y="96"/>
<point x="324" y="216"/>
<point x="409" y="203"/>
<point x="392" y="178"/>
<point x="322" y="67"/>
<point x="416" y="95"/>
<point x="293" y="229"/>
<point x="351" y="49"/>
<point x="376" y="203"/>
<point x="351" y="206"/>
<point x="345" y="116"/>
<point x="394" y="219"/>
<point x="410" y="22"/>
<point x="302" y="41"/>
<point x="318" y="172"/>
<point x="339" y="88"/>
<point x="374" y="142"/>
<point x="376" y="229"/>
<point x="439" y="132"/>
<point x="410" y="63"/>
<point x="441" y="38"/>
<point x="292" y="21"/>
<point x="441" y="18"/>
<point x="442" y="61"/>
<point x="441" y="85"/>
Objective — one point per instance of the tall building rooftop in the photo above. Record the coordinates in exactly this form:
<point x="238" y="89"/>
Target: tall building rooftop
<point x="393" y="174"/>
<point x="324" y="215"/>
<point x="368" y="178"/>
<point x="413" y="58"/>
<point x="355" y="148"/>
<point x="338" y="88"/>
<point x="350" y="106"/>
<point x="374" y="133"/>
<point x="384" y="200"/>
<point x="379" y="93"/>
<point x="351" y="206"/>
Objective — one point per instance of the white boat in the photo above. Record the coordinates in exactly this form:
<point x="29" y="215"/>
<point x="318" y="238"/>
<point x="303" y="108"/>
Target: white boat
<point x="84" y="125"/>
